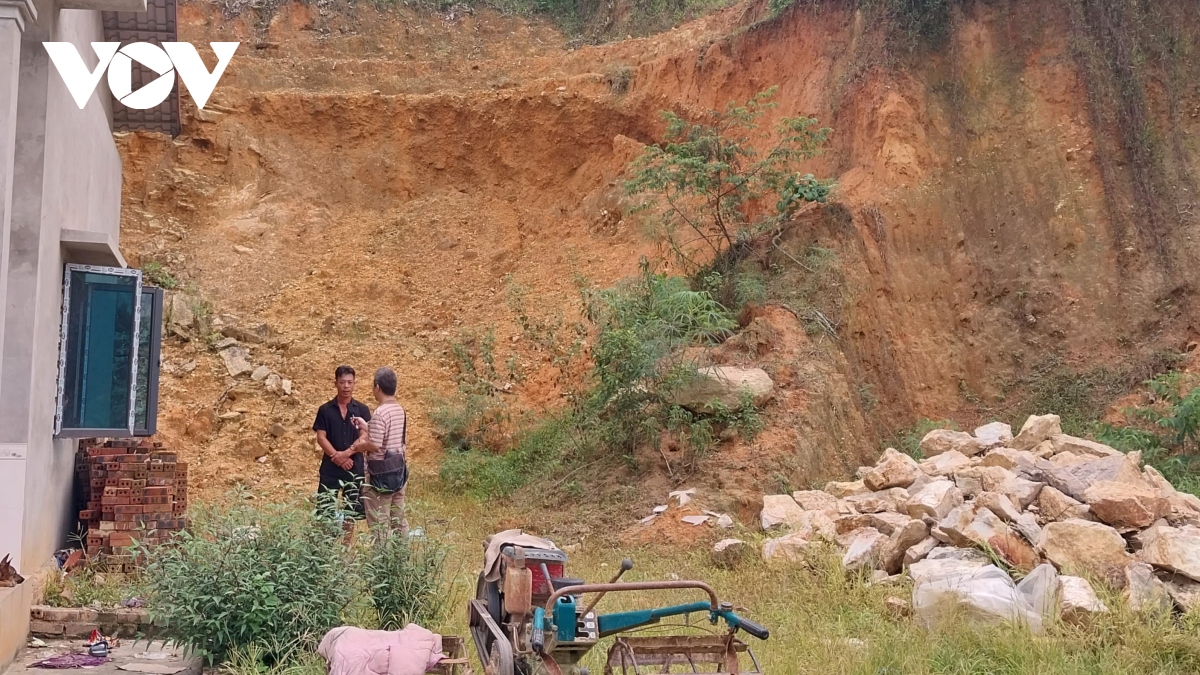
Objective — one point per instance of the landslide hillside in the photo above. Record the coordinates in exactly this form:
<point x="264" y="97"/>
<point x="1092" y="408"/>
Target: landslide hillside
<point x="1016" y="204"/>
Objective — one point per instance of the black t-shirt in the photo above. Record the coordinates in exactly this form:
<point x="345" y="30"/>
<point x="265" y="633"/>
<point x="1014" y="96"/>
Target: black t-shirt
<point x="340" y="432"/>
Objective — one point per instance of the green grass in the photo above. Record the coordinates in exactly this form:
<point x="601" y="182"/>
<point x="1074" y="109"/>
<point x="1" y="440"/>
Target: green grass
<point x="823" y="621"/>
<point x="88" y="585"/>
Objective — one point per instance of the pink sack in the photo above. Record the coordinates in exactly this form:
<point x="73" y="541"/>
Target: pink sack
<point x="356" y="651"/>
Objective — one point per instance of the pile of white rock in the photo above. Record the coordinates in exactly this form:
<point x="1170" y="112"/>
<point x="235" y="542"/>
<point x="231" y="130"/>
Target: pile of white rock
<point x="1042" y="503"/>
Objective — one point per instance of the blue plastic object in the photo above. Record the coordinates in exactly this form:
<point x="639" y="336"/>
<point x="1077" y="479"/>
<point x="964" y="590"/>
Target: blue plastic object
<point x="564" y="618"/>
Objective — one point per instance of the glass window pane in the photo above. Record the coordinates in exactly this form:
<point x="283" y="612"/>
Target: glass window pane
<point x="99" y="355"/>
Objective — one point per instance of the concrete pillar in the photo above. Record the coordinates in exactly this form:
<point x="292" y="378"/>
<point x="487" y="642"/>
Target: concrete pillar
<point x="14" y="14"/>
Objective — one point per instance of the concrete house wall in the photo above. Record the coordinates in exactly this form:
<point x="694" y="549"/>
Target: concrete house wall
<point x="60" y="184"/>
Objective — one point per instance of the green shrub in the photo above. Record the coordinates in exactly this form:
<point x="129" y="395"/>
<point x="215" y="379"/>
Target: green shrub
<point x="539" y="450"/>
<point x="272" y="577"/>
<point x="707" y="171"/>
<point x="159" y="276"/>
<point x="405" y="578"/>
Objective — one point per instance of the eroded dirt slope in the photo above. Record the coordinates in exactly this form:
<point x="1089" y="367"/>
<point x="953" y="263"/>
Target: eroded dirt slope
<point x="368" y="184"/>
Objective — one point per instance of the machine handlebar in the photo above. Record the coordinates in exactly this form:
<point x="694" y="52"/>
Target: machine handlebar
<point x="747" y="625"/>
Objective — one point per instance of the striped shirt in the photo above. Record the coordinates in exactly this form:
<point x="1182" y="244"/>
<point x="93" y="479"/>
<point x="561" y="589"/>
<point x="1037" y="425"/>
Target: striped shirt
<point x="386" y="430"/>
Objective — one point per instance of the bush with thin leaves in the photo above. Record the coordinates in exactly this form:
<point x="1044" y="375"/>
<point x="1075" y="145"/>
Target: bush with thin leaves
<point x="275" y="577"/>
<point x="406" y="581"/>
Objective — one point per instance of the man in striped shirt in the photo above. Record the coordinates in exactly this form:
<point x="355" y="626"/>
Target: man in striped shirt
<point x="386" y="432"/>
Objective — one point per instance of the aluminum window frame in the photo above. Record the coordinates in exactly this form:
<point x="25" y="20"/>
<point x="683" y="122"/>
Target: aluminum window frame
<point x="157" y="307"/>
<point x="87" y="432"/>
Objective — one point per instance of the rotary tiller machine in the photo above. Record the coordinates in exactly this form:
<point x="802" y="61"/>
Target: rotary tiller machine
<point x="533" y="621"/>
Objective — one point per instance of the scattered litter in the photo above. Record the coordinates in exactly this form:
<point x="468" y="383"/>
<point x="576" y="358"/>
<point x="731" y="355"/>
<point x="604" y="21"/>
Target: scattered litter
<point x="695" y="520"/>
<point x="36" y="643"/>
<point x="724" y="521"/>
<point x="153" y="656"/>
<point x="152" y="668"/>
<point x="416" y="533"/>
<point x="660" y="509"/>
<point x="63" y="661"/>
<point x="647" y="519"/>
<point x="133" y="603"/>
<point x="684" y="496"/>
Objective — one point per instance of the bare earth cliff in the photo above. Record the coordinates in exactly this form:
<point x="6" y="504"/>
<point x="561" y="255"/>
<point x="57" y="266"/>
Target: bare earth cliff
<point x="366" y="183"/>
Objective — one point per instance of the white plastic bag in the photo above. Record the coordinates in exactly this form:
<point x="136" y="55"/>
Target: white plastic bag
<point x="984" y="593"/>
<point x="1040" y="590"/>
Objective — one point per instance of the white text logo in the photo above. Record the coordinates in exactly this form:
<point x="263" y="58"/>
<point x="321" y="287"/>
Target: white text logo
<point x="179" y="56"/>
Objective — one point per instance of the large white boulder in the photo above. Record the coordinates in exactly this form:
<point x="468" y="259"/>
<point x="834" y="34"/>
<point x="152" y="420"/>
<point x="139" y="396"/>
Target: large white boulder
<point x="996" y="433"/>
<point x="1172" y="549"/>
<point x="725" y="386"/>
<point x="944" y="440"/>
<point x="1145" y="592"/>
<point x="1037" y="428"/>
<point x="781" y="510"/>
<point x="936" y="500"/>
<point x="894" y="469"/>
<point x="1085" y="547"/>
<point x="1126" y="505"/>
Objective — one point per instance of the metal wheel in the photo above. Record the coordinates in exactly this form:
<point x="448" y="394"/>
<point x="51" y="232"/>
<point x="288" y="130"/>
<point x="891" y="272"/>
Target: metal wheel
<point x="492" y="667"/>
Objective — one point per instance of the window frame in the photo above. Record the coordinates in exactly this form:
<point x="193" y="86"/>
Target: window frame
<point x="87" y="432"/>
<point x="152" y="364"/>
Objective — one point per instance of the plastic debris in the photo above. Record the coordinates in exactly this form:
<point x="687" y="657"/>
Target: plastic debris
<point x="684" y="496"/>
<point x="695" y="520"/>
<point x="63" y="661"/>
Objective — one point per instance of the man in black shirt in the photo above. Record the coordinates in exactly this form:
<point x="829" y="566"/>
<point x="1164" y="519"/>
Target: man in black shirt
<point x="342" y="463"/>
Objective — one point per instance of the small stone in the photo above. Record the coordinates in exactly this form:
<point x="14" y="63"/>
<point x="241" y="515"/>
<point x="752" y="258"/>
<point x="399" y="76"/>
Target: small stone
<point x="286" y="386"/>
<point x="728" y="552"/>
<point x="229" y="415"/>
<point x="243" y="249"/>
<point x="277" y="430"/>
<point x="260" y="373"/>
<point x="273" y="382"/>
<point x="1077" y="601"/>
<point x="897" y="607"/>
<point x="226" y="342"/>
<point x="237" y="360"/>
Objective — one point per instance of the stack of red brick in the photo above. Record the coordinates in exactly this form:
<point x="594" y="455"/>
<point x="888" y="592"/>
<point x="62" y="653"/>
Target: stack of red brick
<point x="129" y="491"/>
